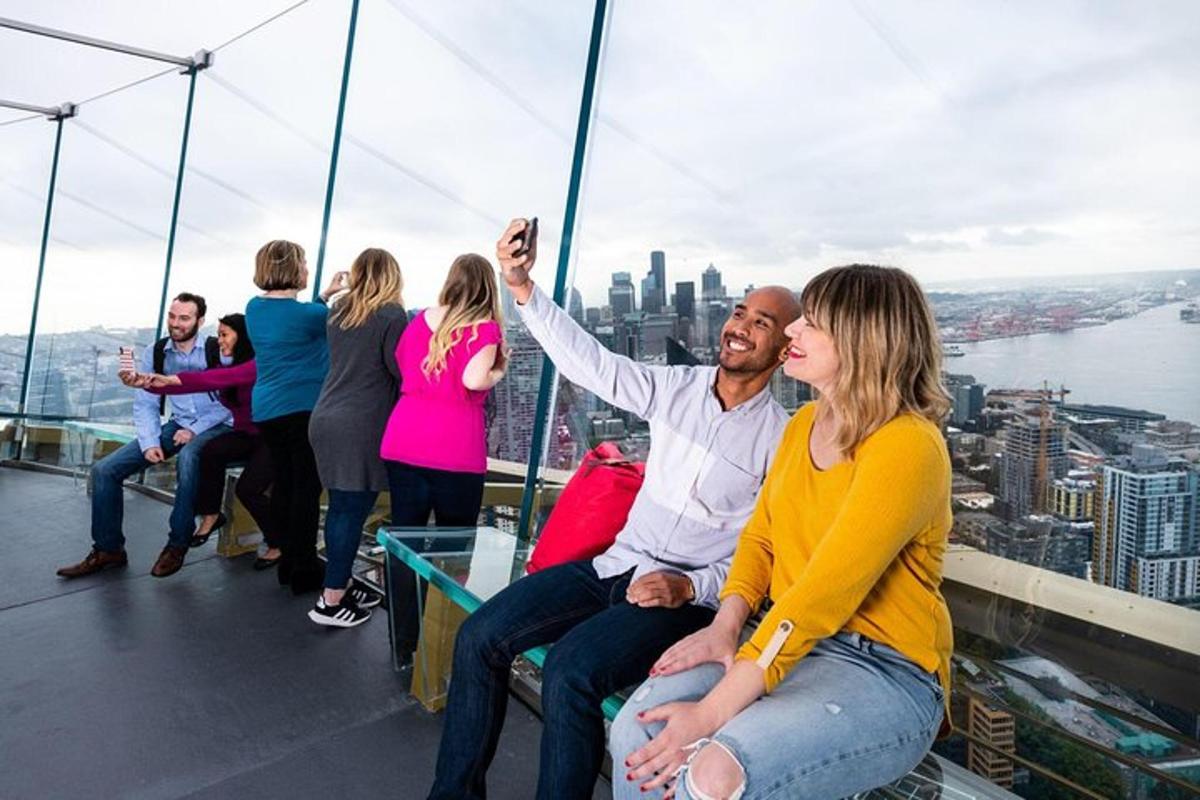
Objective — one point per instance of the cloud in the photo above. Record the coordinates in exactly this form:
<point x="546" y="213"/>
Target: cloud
<point x="1023" y="237"/>
<point x="772" y="142"/>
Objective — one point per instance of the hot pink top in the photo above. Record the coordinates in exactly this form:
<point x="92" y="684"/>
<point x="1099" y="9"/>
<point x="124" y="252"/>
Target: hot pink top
<point x="438" y="423"/>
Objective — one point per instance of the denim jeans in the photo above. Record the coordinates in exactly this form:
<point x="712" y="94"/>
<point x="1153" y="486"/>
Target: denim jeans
<point x="344" y="521"/>
<point x="602" y="644"/>
<point x="851" y="716"/>
<point x="108" y="503"/>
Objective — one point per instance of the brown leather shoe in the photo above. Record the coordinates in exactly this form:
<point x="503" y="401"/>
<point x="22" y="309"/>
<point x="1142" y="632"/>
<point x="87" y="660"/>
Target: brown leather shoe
<point x="96" y="560"/>
<point x="169" y="561"/>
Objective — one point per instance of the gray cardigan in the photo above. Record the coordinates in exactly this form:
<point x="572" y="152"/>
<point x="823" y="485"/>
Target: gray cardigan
<point x="356" y="400"/>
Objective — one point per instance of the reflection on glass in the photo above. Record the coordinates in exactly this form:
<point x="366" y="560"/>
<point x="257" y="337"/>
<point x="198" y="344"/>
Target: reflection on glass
<point x="26" y="149"/>
<point x="450" y="132"/>
<point x="759" y="148"/>
<point x="104" y="267"/>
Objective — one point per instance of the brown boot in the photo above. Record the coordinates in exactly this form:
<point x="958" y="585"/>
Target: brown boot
<point x="169" y="561"/>
<point x="96" y="560"/>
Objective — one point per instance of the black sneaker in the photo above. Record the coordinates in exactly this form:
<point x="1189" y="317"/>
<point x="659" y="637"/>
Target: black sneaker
<point x="363" y="598"/>
<point x="345" y="614"/>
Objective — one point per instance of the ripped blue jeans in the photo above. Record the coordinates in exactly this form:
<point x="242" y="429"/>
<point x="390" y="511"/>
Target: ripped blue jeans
<point x="851" y="716"/>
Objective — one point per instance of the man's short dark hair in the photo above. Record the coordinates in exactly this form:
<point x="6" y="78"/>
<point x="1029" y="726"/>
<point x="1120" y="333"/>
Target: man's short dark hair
<point x="197" y="300"/>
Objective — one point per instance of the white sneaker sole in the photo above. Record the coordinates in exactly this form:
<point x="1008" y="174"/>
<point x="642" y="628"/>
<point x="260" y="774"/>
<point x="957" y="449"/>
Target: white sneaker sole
<point x="330" y="622"/>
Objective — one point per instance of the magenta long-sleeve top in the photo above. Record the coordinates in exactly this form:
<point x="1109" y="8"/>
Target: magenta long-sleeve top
<point x="240" y="377"/>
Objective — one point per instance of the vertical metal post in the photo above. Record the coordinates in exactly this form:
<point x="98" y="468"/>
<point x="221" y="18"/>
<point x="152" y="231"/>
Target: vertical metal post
<point x="546" y="389"/>
<point x="37" y="291"/>
<point x="187" y="129"/>
<point x="337" y="146"/>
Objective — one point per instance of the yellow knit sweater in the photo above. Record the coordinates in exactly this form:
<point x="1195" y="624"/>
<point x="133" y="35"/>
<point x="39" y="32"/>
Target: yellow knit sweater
<point x="857" y="547"/>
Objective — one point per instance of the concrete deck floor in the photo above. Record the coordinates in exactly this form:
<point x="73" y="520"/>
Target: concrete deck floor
<point x="209" y="684"/>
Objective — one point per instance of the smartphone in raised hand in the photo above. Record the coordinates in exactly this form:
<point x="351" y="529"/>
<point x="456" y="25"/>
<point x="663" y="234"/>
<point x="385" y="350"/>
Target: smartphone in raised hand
<point x="125" y="360"/>
<point x="526" y="237"/>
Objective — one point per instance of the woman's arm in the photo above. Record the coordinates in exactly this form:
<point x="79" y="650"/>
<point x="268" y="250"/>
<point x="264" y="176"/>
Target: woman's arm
<point x="486" y="366"/>
<point x="209" y="380"/>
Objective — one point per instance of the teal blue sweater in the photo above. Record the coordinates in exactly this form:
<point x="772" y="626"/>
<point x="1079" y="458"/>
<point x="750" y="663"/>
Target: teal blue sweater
<point x="291" y="353"/>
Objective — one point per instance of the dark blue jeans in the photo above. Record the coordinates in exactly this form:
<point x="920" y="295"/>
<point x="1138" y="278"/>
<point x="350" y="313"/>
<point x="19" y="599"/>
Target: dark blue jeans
<point x="348" y="512"/>
<point x="108" y="504"/>
<point x="603" y="644"/>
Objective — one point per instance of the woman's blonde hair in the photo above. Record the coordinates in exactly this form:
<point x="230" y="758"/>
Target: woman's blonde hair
<point x="279" y="265"/>
<point x="888" y="345"/>
<point x="471" y="297"/>
<point x="375" y="281"/>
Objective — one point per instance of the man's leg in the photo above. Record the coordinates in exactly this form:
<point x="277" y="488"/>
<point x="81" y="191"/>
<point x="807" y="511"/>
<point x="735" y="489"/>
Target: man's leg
<point x="187" y="477"/>
<point x="610" y="651"/>
<point x="536" y="610"/>
<point x="108" y="503"/>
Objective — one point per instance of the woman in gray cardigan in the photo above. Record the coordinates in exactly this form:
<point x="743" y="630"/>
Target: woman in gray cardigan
<point x="348" y="421"/>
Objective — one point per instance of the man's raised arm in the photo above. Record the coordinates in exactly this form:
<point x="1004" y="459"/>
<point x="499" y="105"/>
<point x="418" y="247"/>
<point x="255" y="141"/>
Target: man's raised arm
<point x="581" y="359"/>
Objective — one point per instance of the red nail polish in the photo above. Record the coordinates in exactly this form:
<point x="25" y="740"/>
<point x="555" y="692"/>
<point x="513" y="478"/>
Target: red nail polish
<point x="628" y="776"/>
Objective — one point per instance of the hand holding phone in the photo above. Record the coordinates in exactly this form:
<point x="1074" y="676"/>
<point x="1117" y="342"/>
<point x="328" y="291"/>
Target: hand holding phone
<point x="527" y="237"/>
<point x="125" y="360"/>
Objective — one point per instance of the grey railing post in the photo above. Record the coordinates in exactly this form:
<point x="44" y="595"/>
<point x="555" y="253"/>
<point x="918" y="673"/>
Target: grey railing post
<point x="337" y="146"/>
<point x="547" y="386"/>
<point x="66" y="110"/>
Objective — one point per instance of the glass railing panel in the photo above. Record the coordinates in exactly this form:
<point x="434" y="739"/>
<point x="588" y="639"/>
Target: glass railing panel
<point x="259" y="152"/>
<point x="460" y="117"/>
<point x="104" y="263"/>
<point x="26" y="149"/>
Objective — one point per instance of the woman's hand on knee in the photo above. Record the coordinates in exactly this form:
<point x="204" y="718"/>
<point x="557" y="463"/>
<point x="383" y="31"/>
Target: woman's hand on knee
<point x="716" y="643"/>
<point x="660" y="760"/>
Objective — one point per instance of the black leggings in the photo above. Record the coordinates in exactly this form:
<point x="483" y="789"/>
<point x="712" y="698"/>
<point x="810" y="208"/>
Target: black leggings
<point x="454" y="498"/>
<point x="295" y="495"/>
<point x="253" y="486"/>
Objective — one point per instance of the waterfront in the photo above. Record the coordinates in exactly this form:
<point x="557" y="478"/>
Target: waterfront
<point x="1148" y="361"/>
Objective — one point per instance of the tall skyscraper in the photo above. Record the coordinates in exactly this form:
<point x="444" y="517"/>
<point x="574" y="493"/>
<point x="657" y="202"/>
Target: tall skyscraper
<point x="685" y="300"/>
<point x="1147" y="537"/>
<point x="999" y="729"/>
<point x="658" y="270"/>
<point x="968" y="403"/>
<point x="575" y="306"/>
<point x="652" y="295"/>
<point x="710" y="284"/>
<point x="621" y="295"/>
<point x="1022" y="489"/>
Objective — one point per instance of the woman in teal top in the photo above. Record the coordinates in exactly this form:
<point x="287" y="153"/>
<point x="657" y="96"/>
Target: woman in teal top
<point x="292" y="357"/>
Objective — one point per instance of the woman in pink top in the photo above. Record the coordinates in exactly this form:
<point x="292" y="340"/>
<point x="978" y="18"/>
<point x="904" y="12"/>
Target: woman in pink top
<point x="435" y="446"/>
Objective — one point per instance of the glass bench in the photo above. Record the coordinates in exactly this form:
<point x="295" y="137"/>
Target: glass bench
<point x="469" y="565"/>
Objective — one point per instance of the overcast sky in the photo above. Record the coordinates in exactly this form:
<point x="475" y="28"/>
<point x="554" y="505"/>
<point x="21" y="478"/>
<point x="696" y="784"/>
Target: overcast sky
<point x="772" y="139"/>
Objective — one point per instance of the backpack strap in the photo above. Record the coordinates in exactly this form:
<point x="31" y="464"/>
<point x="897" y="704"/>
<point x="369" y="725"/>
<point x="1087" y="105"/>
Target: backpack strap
<point x="160" y="363"/>
<point x="212" y="352"/>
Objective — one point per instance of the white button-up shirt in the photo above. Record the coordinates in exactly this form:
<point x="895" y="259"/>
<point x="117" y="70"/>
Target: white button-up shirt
<point x="705" y="466"/>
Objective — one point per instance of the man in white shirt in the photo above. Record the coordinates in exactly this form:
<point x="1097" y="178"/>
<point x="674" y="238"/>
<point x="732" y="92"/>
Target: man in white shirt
<point x="713" y="432"/>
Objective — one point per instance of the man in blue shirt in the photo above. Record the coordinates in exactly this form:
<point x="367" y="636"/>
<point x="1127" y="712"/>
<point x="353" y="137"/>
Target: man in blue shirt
<point x="195" y="418"/>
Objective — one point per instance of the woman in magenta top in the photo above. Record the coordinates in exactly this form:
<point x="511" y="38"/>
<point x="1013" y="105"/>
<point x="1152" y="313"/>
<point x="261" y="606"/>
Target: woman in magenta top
<point x="435" y="445"/>
<point x="233" y="385"/>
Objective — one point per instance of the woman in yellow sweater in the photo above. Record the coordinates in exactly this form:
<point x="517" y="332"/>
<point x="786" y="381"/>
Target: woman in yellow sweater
<point x="844" y="685"/>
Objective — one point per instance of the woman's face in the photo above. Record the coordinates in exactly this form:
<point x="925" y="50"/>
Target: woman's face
<point x="226" y="339"/>
<point x="811" y="355"/>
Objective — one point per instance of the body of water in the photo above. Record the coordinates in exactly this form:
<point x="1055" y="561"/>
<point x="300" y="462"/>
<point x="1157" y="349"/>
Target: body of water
<point x="1150" y="361"/>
